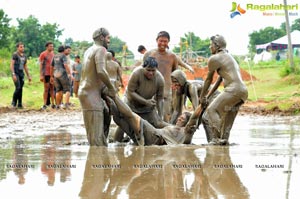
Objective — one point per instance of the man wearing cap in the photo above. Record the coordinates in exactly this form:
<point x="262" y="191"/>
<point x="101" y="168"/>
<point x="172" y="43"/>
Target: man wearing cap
<point x="94" y="79"/>
<point x="144" y="94"/>
<point x="220" y="114"/>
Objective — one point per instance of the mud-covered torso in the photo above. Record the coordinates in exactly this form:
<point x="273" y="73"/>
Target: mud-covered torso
<point x="146" y="88"/>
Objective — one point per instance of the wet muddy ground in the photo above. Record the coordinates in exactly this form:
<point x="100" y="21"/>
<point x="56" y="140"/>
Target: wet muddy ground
<point x="46" y="155"/>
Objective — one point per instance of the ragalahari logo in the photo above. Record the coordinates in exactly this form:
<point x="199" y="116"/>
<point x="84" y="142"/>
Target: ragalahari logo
<point x="236" y="10"/>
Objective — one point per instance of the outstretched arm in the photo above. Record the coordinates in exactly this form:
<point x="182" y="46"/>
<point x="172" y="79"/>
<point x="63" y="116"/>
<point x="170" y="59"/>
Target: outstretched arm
<point x="184" y="65"/>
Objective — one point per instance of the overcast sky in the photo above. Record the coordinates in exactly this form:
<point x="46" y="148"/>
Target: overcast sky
<point x="138" y="22"/>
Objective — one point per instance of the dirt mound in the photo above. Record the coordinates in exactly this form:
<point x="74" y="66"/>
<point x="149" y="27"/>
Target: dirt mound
<point x="201" y="73"/>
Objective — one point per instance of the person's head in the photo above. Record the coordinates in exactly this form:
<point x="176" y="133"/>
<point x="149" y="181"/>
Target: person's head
<point x="77" y="58"/>
<point x="150" y="66"/>
<point x="112" y="52"/>
<point x="217" y="44"/>
<point x="20" y="47"/>
<point x="49" y="46"/>
<point x="178" y="79"/>
<point x="61" y="48"/>
<point x="163" y="39"/>
<point x="101" y="37"/>
<point x="109" y="56"/>
<point x="67" y="50"/>
<point x="183" y="119"/>
<point x="142" y="49"/>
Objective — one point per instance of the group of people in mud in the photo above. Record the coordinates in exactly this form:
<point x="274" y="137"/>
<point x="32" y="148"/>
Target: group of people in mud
<point x="151" y="110"/>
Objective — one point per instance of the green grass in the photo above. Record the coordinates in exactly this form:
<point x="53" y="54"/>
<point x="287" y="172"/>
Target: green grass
<point x="270" y="86"/>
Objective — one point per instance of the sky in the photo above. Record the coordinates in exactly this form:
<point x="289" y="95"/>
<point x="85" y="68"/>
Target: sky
<point x="138" y="22"/>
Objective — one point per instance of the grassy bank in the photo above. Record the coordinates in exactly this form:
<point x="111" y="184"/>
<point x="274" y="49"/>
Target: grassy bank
<point x="273" y="86"/>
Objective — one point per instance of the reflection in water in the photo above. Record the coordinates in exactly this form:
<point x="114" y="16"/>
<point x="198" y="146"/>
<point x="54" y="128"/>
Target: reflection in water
<point x="159" y="172"/>
<point x="222" y="181"/>
<point x="20" y="160"/>
<point x="54" y="159"/>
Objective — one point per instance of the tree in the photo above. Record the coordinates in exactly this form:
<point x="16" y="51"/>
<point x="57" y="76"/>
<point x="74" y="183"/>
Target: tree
<point x="117" y="45"/>
<point x="263" y="36"/>
<point x="34" y="35"/>
<point x="296" y="25"/>
<point x="194" y="43"/>
<point x="4" y="30"/>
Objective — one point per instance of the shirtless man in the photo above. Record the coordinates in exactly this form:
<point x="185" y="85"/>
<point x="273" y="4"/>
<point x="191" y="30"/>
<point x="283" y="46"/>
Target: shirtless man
<point x="167" y="63"/>
<point x="143" y="133"/>
<point x="114" y="71"/>
<point x="220" y="114"/>
<point x="94" y="78"/>
<point x="184" y="89"/>
<point x="144" y="95"/>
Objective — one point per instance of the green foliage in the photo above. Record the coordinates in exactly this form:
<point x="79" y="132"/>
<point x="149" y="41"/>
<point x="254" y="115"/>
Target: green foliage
<point x="5" y="57"/>
<point x="4" y="30"/>
<point x="296" y="25"/>
<point x="194" y="43"/>
<point x="117" y="45"/>
<point x="34" y="35"/>
<point x="263" y="36"/>
<point x="269" y="34"/>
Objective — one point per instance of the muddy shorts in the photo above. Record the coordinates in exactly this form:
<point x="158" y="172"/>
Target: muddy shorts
<point x="62" y="84"/>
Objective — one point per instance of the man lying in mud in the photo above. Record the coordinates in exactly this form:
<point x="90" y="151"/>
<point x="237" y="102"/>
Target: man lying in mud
<point x="143" y="133"/>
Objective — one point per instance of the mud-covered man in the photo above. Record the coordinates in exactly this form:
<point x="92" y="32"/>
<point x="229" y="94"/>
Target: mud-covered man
<point x="144" y="94"/>
<point x="114" y="71"/>
<point x="184" y="89"/>
<point x="167" y="63"/>
<point x="220" y="114"/>
<point x="93" y="80"/>
<point x="143" y="133"/>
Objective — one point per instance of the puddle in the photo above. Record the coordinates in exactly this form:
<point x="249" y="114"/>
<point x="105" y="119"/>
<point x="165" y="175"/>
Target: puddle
<point x="46" y="155"/>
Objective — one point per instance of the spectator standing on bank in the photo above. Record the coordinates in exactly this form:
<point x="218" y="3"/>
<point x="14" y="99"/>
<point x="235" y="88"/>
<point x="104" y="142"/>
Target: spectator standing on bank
<point x="17" y="66"/>
<point x="45" y="60"/>
<point x="60" y="76"/>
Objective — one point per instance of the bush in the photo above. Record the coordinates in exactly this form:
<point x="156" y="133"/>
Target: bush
<point x="5" y="57"/>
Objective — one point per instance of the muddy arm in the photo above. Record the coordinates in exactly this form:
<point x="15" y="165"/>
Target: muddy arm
<point x="194" y="95"/>
<point x="215" y="87"/>
<point x="177" y="108"/>
<point x="126" y="112"/>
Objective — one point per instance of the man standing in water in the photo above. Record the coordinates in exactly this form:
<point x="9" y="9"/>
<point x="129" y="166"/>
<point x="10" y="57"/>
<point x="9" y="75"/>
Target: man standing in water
<point x="94" y="78"/>
<point x="167" y="63"/>
<point x="221" y="112"/>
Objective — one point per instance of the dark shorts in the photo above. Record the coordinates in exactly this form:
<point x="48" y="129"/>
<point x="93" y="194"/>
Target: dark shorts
<point x="47" y="78"/>
<point x="62" y="84"/>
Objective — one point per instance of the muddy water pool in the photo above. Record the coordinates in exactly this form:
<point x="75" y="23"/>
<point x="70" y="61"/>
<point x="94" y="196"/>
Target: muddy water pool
<point x="46" y="155"/>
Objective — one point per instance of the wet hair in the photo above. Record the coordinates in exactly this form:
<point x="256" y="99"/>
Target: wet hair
<point x="100" y="31"/>
<point x="163" y="34"/>
<point x="61" y="48"/>
<point x="141" y="48"/>
<point x="48" y="43"/>
<point x="219" y="41"/>
<point x="150" y="62"/>
<point x="19" y="44"/>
